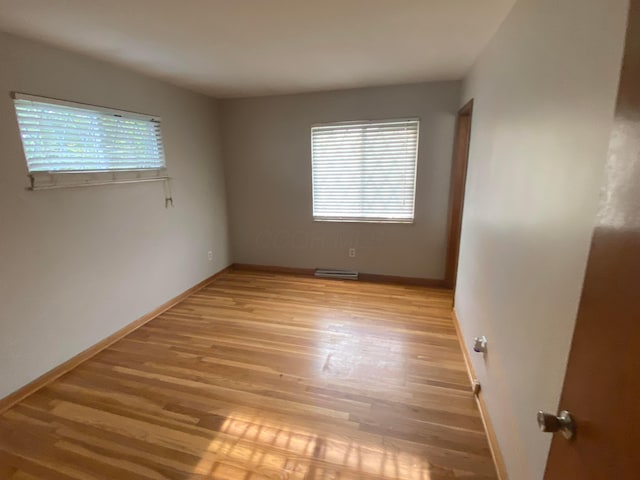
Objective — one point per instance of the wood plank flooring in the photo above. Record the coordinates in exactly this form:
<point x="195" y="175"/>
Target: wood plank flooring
<point x="264" y="376"/>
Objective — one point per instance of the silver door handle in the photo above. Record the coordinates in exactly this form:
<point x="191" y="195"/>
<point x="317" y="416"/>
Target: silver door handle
<point x="562" y="423"/>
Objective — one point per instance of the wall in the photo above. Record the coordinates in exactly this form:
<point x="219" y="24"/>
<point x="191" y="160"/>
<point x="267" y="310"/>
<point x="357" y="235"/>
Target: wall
<point x="544" y="94"/>
<point x="268" y="163"/>
<point x="77" y="265"/>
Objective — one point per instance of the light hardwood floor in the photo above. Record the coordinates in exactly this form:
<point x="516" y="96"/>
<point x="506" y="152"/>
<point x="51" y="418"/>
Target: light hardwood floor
<point x="264" y="376"/>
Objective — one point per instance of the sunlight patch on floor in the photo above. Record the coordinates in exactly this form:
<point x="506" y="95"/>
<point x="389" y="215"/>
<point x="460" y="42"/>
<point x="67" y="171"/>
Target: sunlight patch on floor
<point x="350" y="351"/>
<point x="252" y="447"/>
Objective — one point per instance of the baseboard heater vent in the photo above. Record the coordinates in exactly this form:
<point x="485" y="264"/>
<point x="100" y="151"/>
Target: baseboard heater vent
<point x="343" y="274"/>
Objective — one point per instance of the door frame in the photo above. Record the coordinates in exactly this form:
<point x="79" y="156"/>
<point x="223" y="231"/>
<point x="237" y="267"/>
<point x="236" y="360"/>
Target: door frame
<point x="459" y="166"/>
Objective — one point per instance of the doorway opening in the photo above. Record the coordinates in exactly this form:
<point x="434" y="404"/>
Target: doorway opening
<point x="457" y="190"/>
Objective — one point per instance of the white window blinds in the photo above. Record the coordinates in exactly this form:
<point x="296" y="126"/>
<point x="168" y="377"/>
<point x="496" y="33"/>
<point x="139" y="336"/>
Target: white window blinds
<point x="365" y="171"/>
<point x="62" y="137"/>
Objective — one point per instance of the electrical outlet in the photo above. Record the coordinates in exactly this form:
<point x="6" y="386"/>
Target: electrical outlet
<point x="210" y="255"/>
<point x="352" y="252"/>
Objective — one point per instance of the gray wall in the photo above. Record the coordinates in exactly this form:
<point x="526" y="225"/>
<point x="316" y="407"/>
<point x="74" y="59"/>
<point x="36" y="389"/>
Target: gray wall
<point x="544" y="94"/>
<point x="268" y="164"/>
<point x="77" y="265"/>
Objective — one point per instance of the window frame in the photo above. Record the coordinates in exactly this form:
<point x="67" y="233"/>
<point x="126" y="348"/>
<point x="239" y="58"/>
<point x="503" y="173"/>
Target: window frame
<point x="44" y="180"/>
<point x="380" y="220"/>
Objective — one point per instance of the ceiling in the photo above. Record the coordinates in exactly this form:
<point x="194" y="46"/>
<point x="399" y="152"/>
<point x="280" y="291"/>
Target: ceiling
<point x="231" y="48"/>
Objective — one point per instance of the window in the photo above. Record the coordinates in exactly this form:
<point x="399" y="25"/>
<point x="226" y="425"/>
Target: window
<point x="62" y="138"/>
<point x="365" y="171"/>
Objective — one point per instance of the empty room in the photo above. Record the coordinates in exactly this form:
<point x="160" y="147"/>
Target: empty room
<point x="319" y="240"/>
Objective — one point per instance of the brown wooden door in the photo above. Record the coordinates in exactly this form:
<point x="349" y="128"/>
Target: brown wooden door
<point x="602" y="384"/>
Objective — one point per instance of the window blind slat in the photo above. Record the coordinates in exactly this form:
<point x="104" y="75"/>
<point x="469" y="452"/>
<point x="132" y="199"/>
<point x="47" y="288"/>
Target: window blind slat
<point x="365" y="171"/>
<point x="59" y="138"/>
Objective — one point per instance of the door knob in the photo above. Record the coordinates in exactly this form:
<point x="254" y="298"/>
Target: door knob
<point x="562" y="423"/>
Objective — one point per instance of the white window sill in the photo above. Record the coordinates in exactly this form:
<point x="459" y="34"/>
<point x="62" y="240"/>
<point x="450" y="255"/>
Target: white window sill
<point x="364" y="220"/>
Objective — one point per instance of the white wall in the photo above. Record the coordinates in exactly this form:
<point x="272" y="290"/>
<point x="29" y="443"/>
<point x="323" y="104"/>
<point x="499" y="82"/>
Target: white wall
<point x="544" y="94"/>
<point x="77" y="265"/>
<point x="268" y="163"/>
